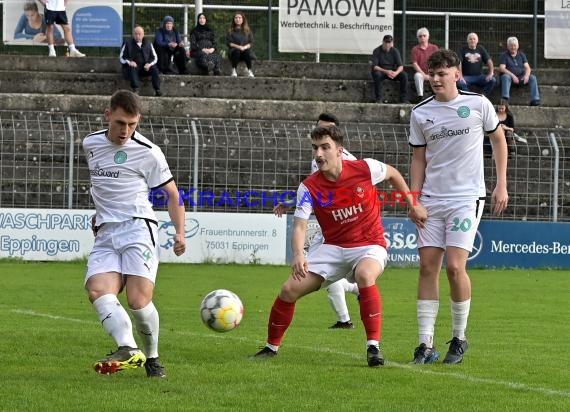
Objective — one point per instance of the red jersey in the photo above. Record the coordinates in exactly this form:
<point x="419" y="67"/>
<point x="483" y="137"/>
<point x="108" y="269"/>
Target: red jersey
<point x="347" y="210"/>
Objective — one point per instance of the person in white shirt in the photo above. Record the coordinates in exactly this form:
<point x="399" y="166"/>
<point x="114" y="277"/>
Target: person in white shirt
<point x="124" y="167"/>
<point x="446" y="134"/>
<point x="55" y="14"/>
<point x="337" y="290"/>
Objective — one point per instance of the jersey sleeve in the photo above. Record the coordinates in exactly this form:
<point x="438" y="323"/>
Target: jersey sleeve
<point x="304" y="203"/>
<point x="490" y="118"/>
<point x="346" y="155"/>
<point x="158" y="173"/>
<point x="416" y="138"/>
<point x="377" y="170"/>
<point x="314" y="166"/>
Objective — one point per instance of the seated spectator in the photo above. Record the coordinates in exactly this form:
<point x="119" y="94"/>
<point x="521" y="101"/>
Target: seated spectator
<point x="420" y="55"/>
<point x="32" y="26"/>
<point x="203" y="47"/>
<point x="516" y="70"/>
<point x="240" y="39"/>
<point x="138" y="58"/>
<point x="473" y="56"/>
<point x="507" y="122"/>
<point x="169" y="46"/>
<point x="387" y="64"/>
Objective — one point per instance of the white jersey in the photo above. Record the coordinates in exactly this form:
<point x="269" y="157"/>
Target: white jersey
<point x="452" y="133"/>
<point x="346" y="155"/>
<point x="55" y="5"/>
<point x="122" y="176"/>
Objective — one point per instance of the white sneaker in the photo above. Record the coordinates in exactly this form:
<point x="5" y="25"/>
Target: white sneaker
<point x="76" y="53"/>
<point x="52" y="53"/>
<point x="250" y="73"/>
<point x="234" y="73"/>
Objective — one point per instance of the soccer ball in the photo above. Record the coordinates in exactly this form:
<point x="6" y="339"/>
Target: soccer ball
<point x="221" y="310"/>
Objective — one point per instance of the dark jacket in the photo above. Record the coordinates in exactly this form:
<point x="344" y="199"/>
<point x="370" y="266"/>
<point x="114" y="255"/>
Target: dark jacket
<point x="141" y="55"/>
<point x="162" y="37"/>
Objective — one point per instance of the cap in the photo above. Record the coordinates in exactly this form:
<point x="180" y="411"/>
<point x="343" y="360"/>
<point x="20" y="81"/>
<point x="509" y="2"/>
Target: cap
<point x="168" y="19"/>
<point x="388" y="38"/>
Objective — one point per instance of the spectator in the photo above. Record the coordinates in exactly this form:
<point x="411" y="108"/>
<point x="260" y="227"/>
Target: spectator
<point x="420" y="55"/>
<point x="473" y="56"/>
<point x="169" y="46"/>
<point x="507" y="122"/>
<point x="240" y="39"/>
<point x="55" y="14"/>
<point x="515" y="69"/>
<point x="203" y="46"/>
<point x="32" y="25"/>
<point x="139" y="60"/>
<point x="387" y="64"/>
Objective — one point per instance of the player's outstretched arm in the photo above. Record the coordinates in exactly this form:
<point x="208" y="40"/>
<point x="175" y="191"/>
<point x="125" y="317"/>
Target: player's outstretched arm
<point x="416" y="212"/>
<point x="177" y="215"/>
<point x="500" y="197"/>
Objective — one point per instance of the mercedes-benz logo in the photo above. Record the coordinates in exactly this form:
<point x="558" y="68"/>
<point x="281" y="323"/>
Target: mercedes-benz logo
<point x="477" y="246"/>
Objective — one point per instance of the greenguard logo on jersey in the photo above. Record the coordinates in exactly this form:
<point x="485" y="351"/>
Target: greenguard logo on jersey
<point x="463" y="112"/>
<point x="445" y="133"/>
<point x="120" y="157"/>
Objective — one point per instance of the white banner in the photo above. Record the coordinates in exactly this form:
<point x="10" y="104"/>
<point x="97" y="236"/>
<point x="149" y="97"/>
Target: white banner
<point x="334" y="26"/>
<point x="556" y="29"/>
<point x="92" y="23"/>
<point x="56" y="234"/>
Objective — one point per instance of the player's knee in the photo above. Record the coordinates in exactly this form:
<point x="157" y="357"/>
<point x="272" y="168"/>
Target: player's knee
<point x="454" y="271"/>
<point x="138" y="301"/>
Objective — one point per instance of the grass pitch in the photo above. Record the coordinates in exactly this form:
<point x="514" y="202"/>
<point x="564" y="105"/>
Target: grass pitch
<point x="518" y="331"/>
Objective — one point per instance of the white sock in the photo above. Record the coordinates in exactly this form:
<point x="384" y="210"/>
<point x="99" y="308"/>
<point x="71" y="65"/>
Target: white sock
<point x="427" y="314"/>
<point x="350" y="287"/>
<point x="372" y="343"/>
<point x="72" y="47"/>
<point x="338" y="301"/>
<point x="51" y="48"/>
<point x="115" y="320"/>
<point x="147" y="324"/>
<point x="459" y="315"/>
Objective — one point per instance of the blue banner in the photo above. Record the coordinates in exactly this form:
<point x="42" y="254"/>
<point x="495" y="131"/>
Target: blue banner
<point x="497" y="244"/>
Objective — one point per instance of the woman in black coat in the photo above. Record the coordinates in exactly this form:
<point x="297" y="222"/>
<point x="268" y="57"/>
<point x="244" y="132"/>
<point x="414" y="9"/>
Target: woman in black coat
<point x="203" y="47"/>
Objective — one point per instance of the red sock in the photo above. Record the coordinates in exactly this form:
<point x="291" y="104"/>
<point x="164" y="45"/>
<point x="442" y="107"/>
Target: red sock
<point x="371" y="312"/>
<point x="279" y="320"/>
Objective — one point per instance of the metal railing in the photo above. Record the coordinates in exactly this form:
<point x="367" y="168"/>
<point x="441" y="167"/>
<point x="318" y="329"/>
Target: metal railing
<point x="42" y="164"/>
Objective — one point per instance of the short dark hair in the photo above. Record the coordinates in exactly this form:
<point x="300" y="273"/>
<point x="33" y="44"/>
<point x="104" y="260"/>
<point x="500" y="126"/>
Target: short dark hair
<point x="443" y="59"/>
<point x="333" y="131"/>
<point x="126" y="100"/>
<point x="328" y="117"/>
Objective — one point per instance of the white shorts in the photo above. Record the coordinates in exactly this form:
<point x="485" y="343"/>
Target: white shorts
<point x="129" y="248"/>
<point x="450" y="223"/>
<point x="334" y="262"/>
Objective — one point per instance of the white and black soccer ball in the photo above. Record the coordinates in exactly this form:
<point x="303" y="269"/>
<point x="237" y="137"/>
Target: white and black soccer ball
<point x="221" y="310"/>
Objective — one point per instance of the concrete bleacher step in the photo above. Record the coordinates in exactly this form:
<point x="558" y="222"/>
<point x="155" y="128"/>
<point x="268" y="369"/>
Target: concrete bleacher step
<point x="262" y="109"/>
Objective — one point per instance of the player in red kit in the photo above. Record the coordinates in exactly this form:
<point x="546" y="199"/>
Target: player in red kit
<point x="342" y="194"/>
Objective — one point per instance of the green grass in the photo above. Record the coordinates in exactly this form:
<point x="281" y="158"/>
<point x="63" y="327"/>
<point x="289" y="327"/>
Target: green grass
<point x="518" y="332"/>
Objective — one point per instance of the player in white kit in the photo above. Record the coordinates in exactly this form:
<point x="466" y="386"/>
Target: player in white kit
<point x="446" y="134"/>
<point x="124" y="166"/>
